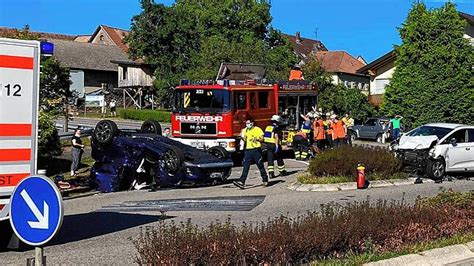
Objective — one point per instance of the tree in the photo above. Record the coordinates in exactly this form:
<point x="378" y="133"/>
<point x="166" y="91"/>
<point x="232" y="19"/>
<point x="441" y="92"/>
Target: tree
<point x="433" y="80"/>
<point x="191" y="38"/>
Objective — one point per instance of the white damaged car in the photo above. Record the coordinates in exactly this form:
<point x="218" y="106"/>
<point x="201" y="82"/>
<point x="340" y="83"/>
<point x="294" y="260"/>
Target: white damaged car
<point x="438" y="148"/>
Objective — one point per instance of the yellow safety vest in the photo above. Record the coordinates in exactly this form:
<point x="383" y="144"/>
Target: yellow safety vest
<point x="251" y="138"/>
<point x="269" y="135"/>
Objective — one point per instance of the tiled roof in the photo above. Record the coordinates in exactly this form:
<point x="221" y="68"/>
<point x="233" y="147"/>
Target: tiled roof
<point x="338" y="62"/>
<point x="468" y="17"/>
<point x="304" y="46"/>
<point x="117" y="36"/>
<point x="82" y="38"/>
<point x="90" y="56"/>
<point x="7" y="32"/>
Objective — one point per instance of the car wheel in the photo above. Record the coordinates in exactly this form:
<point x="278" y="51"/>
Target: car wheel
<point x="151" y="126"/>
<point x="174" y="159"/>
<point x="436" y="169"/>
<point x="105" y="131"/>
<point x="219" y="152"/>
<point x="378" y="139"/>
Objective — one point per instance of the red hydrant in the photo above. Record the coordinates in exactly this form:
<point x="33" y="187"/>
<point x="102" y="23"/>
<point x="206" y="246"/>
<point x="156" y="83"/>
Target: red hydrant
<point x="360" y="176"/>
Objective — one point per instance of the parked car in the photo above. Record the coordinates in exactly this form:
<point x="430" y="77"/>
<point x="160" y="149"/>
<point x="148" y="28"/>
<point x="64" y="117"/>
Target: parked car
<point x="127" y="157"/>
<point x="373" y="129"/>
<point x="438" y="148"/>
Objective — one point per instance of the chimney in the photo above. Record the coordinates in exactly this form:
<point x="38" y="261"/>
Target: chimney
<point x="298" y="37"/>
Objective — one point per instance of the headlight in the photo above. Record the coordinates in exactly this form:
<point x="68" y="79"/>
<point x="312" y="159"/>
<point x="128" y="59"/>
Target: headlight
<point x="431" y="153"/>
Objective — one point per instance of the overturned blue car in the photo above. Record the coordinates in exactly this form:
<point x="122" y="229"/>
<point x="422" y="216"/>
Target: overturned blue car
<point x="128" y="159"/>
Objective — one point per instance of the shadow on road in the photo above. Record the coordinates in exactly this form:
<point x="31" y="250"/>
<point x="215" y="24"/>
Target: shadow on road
<point x="88" y="225"/>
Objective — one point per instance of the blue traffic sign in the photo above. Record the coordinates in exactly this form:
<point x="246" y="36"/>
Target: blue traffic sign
<point x="36" y="210"/>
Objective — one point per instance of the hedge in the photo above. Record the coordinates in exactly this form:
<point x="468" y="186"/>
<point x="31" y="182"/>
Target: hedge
<point x="143" y="115"/>
<point x="334" y="232"/>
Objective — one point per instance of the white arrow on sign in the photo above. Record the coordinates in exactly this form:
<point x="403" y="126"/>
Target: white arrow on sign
<point x="43" y="219"/>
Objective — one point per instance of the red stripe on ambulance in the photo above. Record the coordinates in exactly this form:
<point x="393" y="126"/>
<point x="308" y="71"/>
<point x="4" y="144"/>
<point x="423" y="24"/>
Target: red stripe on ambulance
<point x="8" y="180"/>
<point x="21" y="62"/>
<point x="14" y="155"/>
<point x="15" y="130"/>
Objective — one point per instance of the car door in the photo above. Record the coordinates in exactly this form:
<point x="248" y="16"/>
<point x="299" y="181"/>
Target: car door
<point x="459" y="153"/>
<point x="367" y="129"/>
<point x="470" y="148"/>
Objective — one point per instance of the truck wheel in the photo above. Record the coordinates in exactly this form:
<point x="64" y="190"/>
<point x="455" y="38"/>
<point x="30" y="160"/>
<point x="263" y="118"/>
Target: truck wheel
<point x="219" y="152"/>
<point x="151" y="126"/>
<point x="174" y="159"/>
<point x="436" y="169"/>
<point x="105" y="131"/>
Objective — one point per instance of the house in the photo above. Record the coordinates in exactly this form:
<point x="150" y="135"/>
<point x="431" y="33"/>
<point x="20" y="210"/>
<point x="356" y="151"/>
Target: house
<point x="90" y="64"/>
<point x="343" y="69"/>
<point x="304" y="47"/>
<point x="381" y="69"/>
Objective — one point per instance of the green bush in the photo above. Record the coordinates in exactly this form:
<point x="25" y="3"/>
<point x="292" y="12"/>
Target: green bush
<point x="460" y="200"/>
<point x="379" y="163"/>
<point x="49" y="145"/>
<point x="143" y="115"/>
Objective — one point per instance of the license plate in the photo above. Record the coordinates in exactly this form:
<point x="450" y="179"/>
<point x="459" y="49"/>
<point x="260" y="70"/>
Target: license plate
<point x="199" y="145"/>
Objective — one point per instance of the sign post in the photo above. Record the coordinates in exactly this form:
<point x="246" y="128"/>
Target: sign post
<point x="36" y="212"/>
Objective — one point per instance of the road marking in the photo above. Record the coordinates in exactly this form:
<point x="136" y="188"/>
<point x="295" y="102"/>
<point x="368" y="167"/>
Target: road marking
<point x="43" y="219"/>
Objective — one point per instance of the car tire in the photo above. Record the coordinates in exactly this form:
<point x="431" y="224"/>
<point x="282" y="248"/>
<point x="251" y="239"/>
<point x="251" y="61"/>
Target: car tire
<point x="378" y="139"/>
<point x="174" y="159"/>
<point x="219" y="152"/>
<point x="151" y="126"/>
<point x="105" y="131"/>
<point x="435" y="169"/>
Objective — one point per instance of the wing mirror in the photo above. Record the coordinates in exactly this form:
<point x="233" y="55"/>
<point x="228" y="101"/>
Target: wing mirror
<point x="453" y="141"/>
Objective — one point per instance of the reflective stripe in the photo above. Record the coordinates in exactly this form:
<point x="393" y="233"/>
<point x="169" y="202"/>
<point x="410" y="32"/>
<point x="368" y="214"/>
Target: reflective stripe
<point x="269" y="135"/>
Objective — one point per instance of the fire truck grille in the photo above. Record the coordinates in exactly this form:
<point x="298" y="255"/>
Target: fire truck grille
<point x="199" y="128"/>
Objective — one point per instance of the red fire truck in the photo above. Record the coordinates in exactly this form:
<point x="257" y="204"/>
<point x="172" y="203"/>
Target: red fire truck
<point x="211" y="114"/>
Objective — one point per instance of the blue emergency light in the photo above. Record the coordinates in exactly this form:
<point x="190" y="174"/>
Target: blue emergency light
<point x="47" y="48"/>
<point x="184" y="82"/>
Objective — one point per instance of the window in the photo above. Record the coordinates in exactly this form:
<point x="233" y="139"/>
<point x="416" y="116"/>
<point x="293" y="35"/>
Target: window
<point x="470" y="133"/>
<point x="371" y="122"/>
<point x="459" y="135"/>
<point x="263" y="100"/>
<point x="241" y="101"/>
<point x="380" y="85"/>
<point x="124" y="73"/>
<point x="253" y="100"/>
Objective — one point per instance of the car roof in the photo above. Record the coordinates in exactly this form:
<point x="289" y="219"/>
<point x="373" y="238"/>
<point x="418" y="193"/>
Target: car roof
<point x="446" y="125"/>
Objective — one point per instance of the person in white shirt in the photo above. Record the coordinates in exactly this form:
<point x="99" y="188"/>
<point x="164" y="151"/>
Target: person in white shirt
<point x="113" y="111"/>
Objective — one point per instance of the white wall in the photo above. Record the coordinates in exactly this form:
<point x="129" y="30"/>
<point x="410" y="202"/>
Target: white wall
<point x="383" y="75"/>
<point x="135" y="77"/>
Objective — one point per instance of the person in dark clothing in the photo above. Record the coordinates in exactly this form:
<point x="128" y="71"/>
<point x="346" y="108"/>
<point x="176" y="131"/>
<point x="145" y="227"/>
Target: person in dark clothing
<point x="77" y="150"/>
<point x="272" y="138"/>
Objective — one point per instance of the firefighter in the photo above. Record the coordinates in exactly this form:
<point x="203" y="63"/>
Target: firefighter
<point x="252" y="136"/>
<point x="319" y="134"/>
<point x="340" y="130"/>
<point x="272" y="138"/>
<point x="300" y="140"/>
<point x="327" y="124"/>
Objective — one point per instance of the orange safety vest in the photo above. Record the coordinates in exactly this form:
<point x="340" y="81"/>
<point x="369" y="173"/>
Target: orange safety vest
<point x="339" y="130"/>
<point x="319" y="135"/>
<point x="329" y="130"/>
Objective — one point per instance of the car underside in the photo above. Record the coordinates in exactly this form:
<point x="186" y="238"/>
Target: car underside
<point x="127" y="159"/>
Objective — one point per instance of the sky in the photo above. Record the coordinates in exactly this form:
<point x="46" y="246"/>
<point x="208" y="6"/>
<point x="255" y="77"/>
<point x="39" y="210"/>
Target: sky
<point x="360" y="27"/>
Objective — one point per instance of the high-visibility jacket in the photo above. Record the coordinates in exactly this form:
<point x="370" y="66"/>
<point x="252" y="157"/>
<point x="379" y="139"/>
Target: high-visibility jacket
<point x="328" y="127"/>
<point x="269" y="135"/>
<point x="306" y="127"/>
<point x="319" y="130"/>
<point x="252" y="137"/>
<point x="339" y="132"/>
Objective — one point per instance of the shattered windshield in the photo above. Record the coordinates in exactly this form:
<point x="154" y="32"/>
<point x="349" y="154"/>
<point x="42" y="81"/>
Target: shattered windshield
<point x="214" y="100"/>
<point x="440" y="132"/>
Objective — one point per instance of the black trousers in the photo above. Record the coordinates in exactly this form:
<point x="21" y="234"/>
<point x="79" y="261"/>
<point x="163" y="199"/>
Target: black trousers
<point x="253" y="156"/>
<point x="272" y="155"/>
<point x="301" y="147"/>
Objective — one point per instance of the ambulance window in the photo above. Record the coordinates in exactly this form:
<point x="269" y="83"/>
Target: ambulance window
<point x="241" y="101"/>
<point x="253" y="100"/>
<point x="263" y="99"/>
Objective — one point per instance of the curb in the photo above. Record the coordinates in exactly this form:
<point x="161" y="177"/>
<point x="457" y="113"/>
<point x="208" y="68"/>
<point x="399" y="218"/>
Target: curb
<point x="461" y="254"/>
<point x="297" y="186"/>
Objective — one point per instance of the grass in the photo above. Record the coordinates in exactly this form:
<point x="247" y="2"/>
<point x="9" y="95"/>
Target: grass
<point x="359" y="259"/>
<point x="307" y="178"/>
